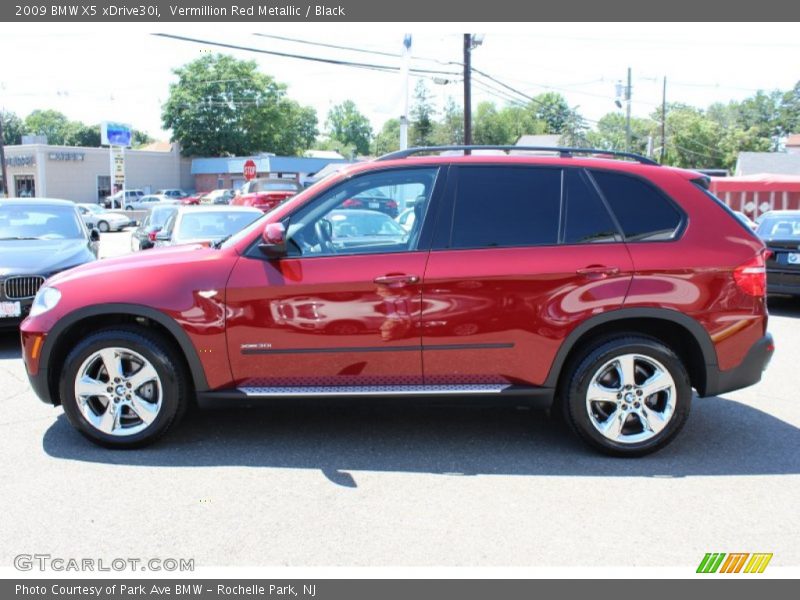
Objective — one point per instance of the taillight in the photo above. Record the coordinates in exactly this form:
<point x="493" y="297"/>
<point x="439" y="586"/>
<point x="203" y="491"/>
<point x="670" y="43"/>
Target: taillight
<point x="751" y="276"/>
<point x="351" y="203"/>
<point x="152" y="236"/>
<point x="391" y="204"/>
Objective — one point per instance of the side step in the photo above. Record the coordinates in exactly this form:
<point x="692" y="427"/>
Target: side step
<point x="453" y="394"/>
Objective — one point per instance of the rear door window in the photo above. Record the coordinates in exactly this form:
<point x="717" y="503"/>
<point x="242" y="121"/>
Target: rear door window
<point x="502" y="207"/>
<point x="586" y="218"/>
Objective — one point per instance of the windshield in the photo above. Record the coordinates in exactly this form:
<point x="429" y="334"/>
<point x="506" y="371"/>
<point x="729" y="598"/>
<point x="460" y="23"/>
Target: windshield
<point x="784" y="227"/>
<point x="93" y="208"/>
<point x="274" y="186"/>
<point x="213" y="225"/>
<point x="39" y="222"/>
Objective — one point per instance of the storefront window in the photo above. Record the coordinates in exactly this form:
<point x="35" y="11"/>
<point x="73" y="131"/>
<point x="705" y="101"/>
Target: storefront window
<point x="24" y="186"/>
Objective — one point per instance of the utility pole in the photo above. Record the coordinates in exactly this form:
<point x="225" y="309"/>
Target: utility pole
<point x="4" y="189"/>
<point x="628" y="113"/>
<point x="467" y="89"/>
<point x="404" y="74"/>
<point x="664" y="121"/>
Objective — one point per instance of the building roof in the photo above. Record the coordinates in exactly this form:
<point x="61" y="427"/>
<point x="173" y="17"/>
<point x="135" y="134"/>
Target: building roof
<point x="157" y="147"/>
<point x="539" y="140"/>
<point x="775" y="163"/>
<point x="264" y="164"/>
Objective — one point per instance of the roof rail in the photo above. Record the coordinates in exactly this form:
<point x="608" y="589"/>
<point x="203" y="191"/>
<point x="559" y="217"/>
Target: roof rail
<point x="562" y="151"/>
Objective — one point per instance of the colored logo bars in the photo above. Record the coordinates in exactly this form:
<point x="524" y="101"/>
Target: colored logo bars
<point x="736" y="562"/>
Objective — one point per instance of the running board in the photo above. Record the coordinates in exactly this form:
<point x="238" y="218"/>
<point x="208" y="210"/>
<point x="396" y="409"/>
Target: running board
<point x="490" y="394"/>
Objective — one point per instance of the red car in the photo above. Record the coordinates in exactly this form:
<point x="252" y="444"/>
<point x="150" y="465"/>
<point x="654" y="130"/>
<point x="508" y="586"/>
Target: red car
<point x="266" y="194"/>
<point x="608" y="289"/>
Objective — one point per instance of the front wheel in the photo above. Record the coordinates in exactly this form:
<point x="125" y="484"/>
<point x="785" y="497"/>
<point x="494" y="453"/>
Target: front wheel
<point x="123" y="388"/>
<point x="103" y="227"/>
<point x="627" y="396"/>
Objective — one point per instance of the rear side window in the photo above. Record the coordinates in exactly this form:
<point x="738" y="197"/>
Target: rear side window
<point x="586" y="219"/>
<point x="500" y="207"/>
<point x="642" y="211"/>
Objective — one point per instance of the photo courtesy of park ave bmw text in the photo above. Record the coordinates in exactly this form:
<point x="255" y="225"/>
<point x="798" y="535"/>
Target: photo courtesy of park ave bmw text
<point x="357" y="300"/>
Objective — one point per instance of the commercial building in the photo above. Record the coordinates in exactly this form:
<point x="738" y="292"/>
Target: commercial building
<point x="84" y="174"/>
<point x="228" y="172"/>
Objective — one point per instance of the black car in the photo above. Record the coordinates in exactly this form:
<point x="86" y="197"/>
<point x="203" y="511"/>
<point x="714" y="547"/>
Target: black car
<point x="145" y="235"/>
<point x="373" y="200"/>
<point x="780" y="230"/>
<point x="38" y="238"/>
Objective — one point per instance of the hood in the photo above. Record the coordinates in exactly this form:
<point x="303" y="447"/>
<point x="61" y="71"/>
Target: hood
<point x="157" y="257"/>
<point x="42" y="257"/>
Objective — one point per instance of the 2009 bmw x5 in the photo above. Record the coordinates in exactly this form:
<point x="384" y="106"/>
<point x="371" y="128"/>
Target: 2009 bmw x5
<point x="608" y="288"/>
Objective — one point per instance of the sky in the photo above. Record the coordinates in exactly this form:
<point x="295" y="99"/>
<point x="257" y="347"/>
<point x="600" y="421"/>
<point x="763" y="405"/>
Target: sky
<point x="122" y="72"/>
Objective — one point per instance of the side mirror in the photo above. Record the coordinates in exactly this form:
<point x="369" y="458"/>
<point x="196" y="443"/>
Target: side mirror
<point x="273" y="240"/>
<point x="94" y="235"/>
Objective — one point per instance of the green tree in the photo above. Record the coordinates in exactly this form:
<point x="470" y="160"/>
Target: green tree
<point x="610" y="133"/>
<point x="80" y="134"/>
<point x="13" y="128"/>
<point x="349" y="127"/>
<point x="551" y="108"/>
<point x="450" y="130"/>
<point x="53" y="124"/>
<point x="388" y="139"/>
<point x="422" y="116"/>
<point x="222" y="106"/>
<point x="504" y="126"/>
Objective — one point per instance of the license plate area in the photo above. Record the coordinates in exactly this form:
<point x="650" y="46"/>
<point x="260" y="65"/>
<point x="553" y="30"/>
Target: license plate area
<point x="10" y="310"/>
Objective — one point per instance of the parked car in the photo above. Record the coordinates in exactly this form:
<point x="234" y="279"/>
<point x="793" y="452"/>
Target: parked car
<point x="97" y="217"/>
<point x="38" y="238"/>
<point x="204" y="224"/>
<point x="266" y="194"/>
<point x="148" y="201"/>
<point x="144" y="236"/>
<point x="351" y="229"/>
<point x="217" y="197"/>
<point x="175" y="194"/>
<point x="375" y="200"/>
<point x="780" y="230"/>
<point x="746" y="220"/>
<point x="118" y="201"/>
<point x="605" y="289"/>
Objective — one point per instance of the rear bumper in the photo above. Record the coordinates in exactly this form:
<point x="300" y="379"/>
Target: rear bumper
<point x="747" y="373"/>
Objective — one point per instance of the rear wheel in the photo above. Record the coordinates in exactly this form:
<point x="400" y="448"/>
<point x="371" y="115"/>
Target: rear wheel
<point x="123" y="388"/>
<point x="103" y="226"/>
<point x="627" y="396"/>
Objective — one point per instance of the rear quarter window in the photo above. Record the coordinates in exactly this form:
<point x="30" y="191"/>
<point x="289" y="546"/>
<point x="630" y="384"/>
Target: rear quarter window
<point x="643" y="212"/>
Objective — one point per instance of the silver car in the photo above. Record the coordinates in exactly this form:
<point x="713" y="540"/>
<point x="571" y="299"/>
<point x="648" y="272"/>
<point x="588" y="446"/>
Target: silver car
<point x="97" y="217"/>
<point x="149" y="201"/>
<point x="205" y="224"/>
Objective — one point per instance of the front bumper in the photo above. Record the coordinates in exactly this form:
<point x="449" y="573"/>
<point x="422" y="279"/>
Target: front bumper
<point x="783" y="282"/>
<point x="10" y="323"/>
<point x="746" y="374"/>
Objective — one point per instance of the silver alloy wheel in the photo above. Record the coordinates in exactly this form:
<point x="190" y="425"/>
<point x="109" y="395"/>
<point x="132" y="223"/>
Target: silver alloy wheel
<point x="118" y="391"/>
<point x="631" y="398"/>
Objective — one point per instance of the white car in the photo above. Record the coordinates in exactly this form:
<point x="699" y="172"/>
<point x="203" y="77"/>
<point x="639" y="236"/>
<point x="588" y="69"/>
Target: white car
<point x="117" y="200"/>
<point x="173" y="193"/>
<point x="97" y="217"/>
<point x="406" y="219"/>
<point x="149" y="201"/>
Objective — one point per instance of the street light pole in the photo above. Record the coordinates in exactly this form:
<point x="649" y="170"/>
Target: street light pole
<point x="404" y="73"/>
<point x="664" y="121"/>
<point x="4" y="189"/>
<point x="467" y="89"/>
<point x="628" y="113"/>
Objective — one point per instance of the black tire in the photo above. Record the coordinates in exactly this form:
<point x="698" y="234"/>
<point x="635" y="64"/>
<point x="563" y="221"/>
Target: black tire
<point x="103" y="226"/>
<point x="171" y="372"/>
<point x="129" y="207"/>
<point x="579" y="375"/>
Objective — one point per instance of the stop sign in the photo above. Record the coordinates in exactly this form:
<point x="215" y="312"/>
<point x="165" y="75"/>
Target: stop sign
<point x="250" y="169"/>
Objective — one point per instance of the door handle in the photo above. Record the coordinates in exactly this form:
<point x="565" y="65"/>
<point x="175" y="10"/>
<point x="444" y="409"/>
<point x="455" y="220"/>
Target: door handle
<point x="396" y="279"/>
<point x="598" y="271"/>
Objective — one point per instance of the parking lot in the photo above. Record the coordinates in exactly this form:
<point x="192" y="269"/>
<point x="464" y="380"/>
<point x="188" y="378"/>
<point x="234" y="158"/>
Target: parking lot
<point x="373" y="485"/>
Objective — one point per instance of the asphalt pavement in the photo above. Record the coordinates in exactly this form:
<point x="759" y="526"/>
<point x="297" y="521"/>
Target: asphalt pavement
<point x="371" y="485"/>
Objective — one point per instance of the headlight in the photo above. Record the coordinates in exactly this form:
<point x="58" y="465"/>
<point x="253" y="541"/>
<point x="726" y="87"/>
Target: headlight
<point x="46" y="298"/>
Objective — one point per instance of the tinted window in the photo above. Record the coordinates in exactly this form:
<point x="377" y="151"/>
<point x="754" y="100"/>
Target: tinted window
<point x="586" y="218"/>
<point x="506" y="206"/>
<point x="642" y="211"/>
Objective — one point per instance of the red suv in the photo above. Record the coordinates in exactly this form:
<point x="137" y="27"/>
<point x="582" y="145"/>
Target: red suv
<point x="607" y="288"/>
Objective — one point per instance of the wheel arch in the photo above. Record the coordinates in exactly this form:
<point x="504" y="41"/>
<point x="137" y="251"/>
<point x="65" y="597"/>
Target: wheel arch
<point x="91" y="318"/>
<point x="684" y="335"/>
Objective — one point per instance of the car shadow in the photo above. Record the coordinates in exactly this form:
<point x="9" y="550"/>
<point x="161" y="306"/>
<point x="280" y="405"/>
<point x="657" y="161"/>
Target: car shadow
<point x="722" y="437"/>
<point x="784" y="306"/>
<point x="9" y="345"/>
